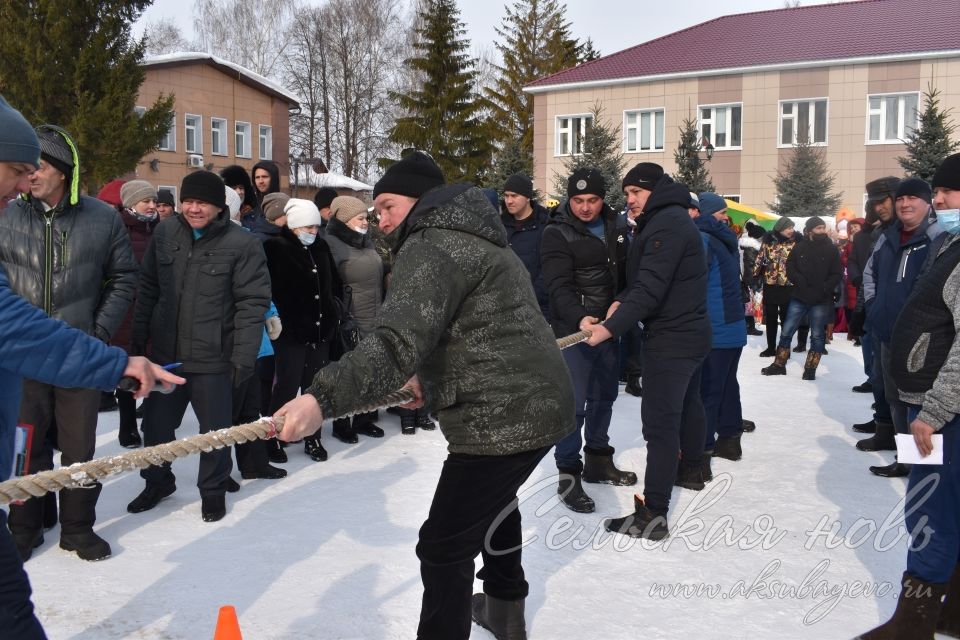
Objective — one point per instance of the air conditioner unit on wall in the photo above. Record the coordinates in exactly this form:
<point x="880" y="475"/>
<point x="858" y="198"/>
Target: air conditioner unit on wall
<point x="195" y="161"/>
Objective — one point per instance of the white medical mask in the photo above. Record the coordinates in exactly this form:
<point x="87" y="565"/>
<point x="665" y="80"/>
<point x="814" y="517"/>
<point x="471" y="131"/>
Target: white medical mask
<point x="949" y="220"/>
<point x="306" y="239"/>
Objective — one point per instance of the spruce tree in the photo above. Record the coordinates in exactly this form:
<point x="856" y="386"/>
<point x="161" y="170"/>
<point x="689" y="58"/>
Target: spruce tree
<point x="74" y="63"/>
<point x="508" y="160"/>
<point x="601" y="150"/>
<point x="805" y="184"/>
<point x="443" y="114"/>
<point x="929" y="144"/>
<point x="691" y="170"/>
<point x="534" y="41"/>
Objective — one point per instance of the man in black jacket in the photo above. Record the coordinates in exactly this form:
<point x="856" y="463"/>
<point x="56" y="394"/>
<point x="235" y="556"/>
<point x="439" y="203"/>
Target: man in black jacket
<point x="204" y="290"/>
<point x="583" y="256"/>
<point x="666" y="292"/>
<point x="69" y="255"/>
<point x="814" y="269"/>
<point x="525" y="219"/>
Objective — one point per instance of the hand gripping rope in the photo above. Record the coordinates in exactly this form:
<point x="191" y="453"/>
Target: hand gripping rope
<point x="84" y="474"/>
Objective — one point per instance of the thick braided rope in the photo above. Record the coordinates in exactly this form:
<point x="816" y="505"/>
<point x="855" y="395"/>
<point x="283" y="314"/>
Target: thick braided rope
<point x="84" y="474"/>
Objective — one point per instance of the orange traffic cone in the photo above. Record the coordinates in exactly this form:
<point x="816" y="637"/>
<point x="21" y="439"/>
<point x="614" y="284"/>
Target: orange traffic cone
<point x="228" y="628"/>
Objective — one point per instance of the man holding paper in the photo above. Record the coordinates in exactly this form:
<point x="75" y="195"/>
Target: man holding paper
<point x="925" y="365"/>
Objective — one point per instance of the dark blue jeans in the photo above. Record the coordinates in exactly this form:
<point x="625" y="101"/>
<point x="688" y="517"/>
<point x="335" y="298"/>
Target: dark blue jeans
<point x="819" y="314"/>
<point x="935" y="552"/>
<point x="720" y="392"/>
<point x="593" y="371"/>
<point x="866" y="347"/>
<point x="882" y="413"/>
<point x="17" y="619"/>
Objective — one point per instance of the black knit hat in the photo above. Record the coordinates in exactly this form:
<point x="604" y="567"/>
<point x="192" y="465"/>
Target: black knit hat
<point x="205" y="186"/>
<point x="916" y="187"/>
<point x="813" y="221"/>
<point x="586" y="181"/>
<point x="324" y="197"/>
<point x="164" y="196"/>
<point x="644" y="175"/>
<point x="519" y="184"/>
<point x="948" y="173"/>
<point x="412" y="177"/>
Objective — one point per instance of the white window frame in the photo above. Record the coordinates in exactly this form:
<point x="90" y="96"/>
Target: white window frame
<point x="637" y="127"/>
<point x="172" y="190"/>
<point x="169" y="142"/>
<point x="881" y="112"/>
<point x="582" y="130"/>
<point x="712" y="138"/>
<point x="197" y="133"/>
<point x="810" y="104"/>
<point x="246" y="149"/>
<point x="265" y="154"/>
<point x="224" y="137"/>
<point x="139" y="111"/>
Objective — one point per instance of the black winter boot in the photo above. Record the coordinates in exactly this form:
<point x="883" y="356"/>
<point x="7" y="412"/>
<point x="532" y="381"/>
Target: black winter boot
<point x="882" y="439"/>
<point x="408" y="423"/>
<point x="690" y="476"/>
<point x="802" y="334"/>
<point x="752" y="326"/>
<point x="642" y="523"/>
<point x="87" y="544"/>
<point x="502" y="618"/>
<point x="598" y="468"/>
<point x="916" y="615"/>
<point x="313" y="448"/>
<point x="866" y="387"/>
<point x="213" y="508"/>
<point x="949" y="622"/>
<point x="865" y="427"/>
<point x="810" y="366"/>
<point x="779" y="366"/>
<point x="572" y="494"/>
<point x="728" y="447"/>
<point x="275" y="452"/>
<point x="895" y="470"/>
<point x="26" y="541"/>
<point x="150" y="497"/>
<point x="769" y="352"/>
<point x="424" y="421"/>
<point x="344" y="432"/>
<point x="748" y="426"/>
<point x="633" y="386"/>
<point x="705" y="471"/>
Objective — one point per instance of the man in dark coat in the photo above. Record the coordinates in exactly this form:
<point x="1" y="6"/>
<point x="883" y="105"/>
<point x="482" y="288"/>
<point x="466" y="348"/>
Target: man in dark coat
<point x="204" y="290"/>
<point x="814" y="269"/>
<point x="583" y="254"/>
<point x="666" y="292"/>
<point x="460" y="315"/>
<point x="69" y="255"/>
<point x="525" y="219"/>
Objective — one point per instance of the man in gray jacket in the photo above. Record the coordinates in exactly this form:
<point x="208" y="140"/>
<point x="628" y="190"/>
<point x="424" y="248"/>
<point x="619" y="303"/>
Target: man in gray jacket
<point x="69" y="255"/>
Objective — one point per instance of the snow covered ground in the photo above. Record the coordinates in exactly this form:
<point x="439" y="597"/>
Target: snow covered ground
<point x="328" y="552"/>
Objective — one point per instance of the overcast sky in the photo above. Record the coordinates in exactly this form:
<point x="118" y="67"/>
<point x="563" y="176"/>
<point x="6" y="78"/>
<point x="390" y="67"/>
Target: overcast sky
<point x="612" y="24"/>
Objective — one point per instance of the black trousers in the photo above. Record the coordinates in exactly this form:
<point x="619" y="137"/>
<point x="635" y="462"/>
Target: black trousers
<point x="211" y="396"/>
<point x="251" y="456"/>
<point x="671" y="399"/>
<point x="17" y="619"/>
<point x="296" y="364"/>
<point x="774" y="315"/>
<point x="74" y="412"/>
<point x="474" y="511"/>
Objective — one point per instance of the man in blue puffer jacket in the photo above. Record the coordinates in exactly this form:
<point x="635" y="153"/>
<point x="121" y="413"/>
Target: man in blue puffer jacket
<point x="719" y="388"/>
<point x="35" y="346"/>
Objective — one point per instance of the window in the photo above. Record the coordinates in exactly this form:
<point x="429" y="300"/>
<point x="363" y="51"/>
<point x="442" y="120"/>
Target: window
<point x="191" y="134"/>
<point x="721" y="125"/>
<point x="891" y="118"/>
<point x="139" y="111"/>
<point x="218" y="136"/>
<point x="242" y="139"/>
<point x="266" y="142"/>
<point x="803" y="119"/>
<point x="643" y="130"/>
<point x="570" y="133"/>
<point x="169" y="141"/>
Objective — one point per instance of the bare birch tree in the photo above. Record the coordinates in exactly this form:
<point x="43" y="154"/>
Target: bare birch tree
<point x="251" y="33"/>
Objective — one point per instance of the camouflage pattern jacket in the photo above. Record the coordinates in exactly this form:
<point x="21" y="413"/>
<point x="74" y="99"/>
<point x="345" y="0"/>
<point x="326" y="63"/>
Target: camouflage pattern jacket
<point x="462" y="314"/>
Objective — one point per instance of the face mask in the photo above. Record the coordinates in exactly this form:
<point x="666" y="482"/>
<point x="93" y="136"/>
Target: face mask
<point x="143" y="217"/>
<point x="362" y="232"/>
<point x="949" y="220"/>
<point x="306" y="239"/>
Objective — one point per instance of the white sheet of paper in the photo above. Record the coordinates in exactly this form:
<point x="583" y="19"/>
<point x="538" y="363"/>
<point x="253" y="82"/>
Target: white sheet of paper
<point x="907" y="451"/>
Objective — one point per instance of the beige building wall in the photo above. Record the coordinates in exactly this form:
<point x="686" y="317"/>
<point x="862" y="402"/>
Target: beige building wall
<point x="203" y="90"/>
<point x="749" y="172"/>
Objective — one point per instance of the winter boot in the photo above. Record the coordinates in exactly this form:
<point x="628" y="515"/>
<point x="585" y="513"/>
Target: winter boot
<point x="344" y="432"/>
<point x="502" y="618"/>
<point x="752" y="327"/>
<point x="424" y="421"/>
<point x="313" y="448"/>
<point x="705" y="471"/>
<point x="408" y="423"/>
<point x="150" y="497"/>
<point x="88" y="545"/>
<point x="728" y="447"/>
<point x="598" y="468"/>
<point x="949" y="622"/>
<point x="866" y="387"/>
<point x="363" y="424"/>
<point x="213" y="508"/>
<point x="769" y="352"/>
<point x="748" y="426"/>
<point x="690" y="476"/>
<point x="895" y="470"/>
<point x="26" y="541"/>
<point x="802" y="334"/>
<point x="779" y="366"/>
<point x="572" y="494"/>
<point x="810" y="366"/>
<point x="642" y="523"/>
<point x="865" y="427"/>
<point x="915" y="617"/>
<point x="275" y="452"/>
<point x="882" y="439"/>
<point x="633" y="386"/>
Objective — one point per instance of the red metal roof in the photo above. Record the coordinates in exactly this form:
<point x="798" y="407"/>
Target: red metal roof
<point x="783" y="36"/>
